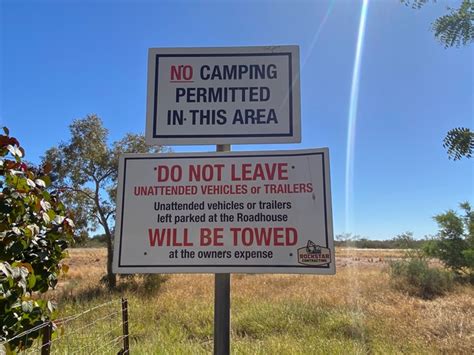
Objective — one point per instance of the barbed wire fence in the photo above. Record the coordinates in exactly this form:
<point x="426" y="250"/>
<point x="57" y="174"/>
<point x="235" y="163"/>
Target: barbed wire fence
<point x="101" y="329"/>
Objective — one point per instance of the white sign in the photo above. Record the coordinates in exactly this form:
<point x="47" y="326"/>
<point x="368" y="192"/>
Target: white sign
<point x="247" y="212"/>
<point x="227" y="95"/>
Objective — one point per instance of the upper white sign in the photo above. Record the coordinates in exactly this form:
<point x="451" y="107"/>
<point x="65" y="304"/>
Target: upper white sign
<point x="227" y="95"/>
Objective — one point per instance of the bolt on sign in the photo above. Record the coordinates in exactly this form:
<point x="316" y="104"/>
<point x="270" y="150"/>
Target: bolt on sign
<point x="246" y="212"/>
<point x="229" y="95"/>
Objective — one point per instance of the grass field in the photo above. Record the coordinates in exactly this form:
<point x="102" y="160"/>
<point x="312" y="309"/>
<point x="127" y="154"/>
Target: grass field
<point x="354" y="312"/>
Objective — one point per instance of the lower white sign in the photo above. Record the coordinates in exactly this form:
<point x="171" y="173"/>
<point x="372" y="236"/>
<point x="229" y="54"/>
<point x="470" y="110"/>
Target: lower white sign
<point x="244" y="212"/>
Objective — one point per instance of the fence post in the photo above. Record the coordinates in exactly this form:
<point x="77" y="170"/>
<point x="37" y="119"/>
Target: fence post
<point x="126" y="346"/>
<point x="46" y="343"/>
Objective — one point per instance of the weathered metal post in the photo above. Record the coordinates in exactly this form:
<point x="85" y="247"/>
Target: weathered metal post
<point x="126" y="343"/>
<point x="46" y="341"/>
<point x="222" y="301"/>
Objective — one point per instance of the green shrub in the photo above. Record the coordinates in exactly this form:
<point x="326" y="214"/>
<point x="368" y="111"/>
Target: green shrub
<point x="414" y="276"/>
<point x="454" y="244"/>
<point x="34" y="233"/>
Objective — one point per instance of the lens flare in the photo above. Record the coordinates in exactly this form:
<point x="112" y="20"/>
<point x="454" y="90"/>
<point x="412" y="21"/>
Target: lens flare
<point x="352" y="120"/>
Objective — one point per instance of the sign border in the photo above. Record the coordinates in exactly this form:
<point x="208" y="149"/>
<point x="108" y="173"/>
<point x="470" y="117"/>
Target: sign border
<point x="324" y="152"/>
<point x="245" y="135"/>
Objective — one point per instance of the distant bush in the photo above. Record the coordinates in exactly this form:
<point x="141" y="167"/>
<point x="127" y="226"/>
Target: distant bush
<point x="153" y="282"/>
<point x="83" y="240"/>
<point x="414" y="276"/>
<point x="401" y="241"/>
<point x="145" y="284"/>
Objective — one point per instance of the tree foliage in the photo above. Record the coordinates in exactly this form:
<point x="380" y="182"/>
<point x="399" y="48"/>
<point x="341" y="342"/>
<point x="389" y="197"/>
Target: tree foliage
<point x="35" y="230"/>
<point x="405" y="241"/>
<point x="454" y="244"/>
<point x="455" y="28"/>
<point x="459" y="142"/>
<point x="86" y="171"/>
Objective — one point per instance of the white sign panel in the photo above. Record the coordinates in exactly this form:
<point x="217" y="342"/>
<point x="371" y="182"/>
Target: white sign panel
<point x="245" y="212"/>
<point x="227" y="95"/>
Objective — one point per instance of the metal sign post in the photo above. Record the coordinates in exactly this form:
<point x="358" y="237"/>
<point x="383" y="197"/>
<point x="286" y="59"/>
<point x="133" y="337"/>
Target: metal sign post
<point x="222" y="314"/>
<point x="222" y="301"/>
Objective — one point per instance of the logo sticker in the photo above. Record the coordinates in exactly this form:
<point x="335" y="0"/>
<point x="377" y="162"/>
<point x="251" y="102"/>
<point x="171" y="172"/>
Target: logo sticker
<point x="313" y="255"/>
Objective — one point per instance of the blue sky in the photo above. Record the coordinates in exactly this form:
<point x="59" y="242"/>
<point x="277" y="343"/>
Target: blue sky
<point x="61" y="60"/>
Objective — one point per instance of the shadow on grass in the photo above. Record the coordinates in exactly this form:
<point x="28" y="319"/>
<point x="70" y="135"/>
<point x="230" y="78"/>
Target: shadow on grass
<point x="145" y="285"/>
<point x="349" y="327"/>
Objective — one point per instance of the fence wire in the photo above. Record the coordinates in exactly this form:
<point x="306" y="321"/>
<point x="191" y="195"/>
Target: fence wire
<point x="101" y="333"/>
<point x="25" y="333"/>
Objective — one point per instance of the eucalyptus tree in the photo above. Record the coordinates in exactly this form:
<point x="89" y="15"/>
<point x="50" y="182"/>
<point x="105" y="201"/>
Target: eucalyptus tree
<point x="86" y="168"/>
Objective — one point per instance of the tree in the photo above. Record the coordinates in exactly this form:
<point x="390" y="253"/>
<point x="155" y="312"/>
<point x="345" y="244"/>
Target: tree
<point x="454" y="244"/>
<point x="459" y="142"/>
<point x="35" y="231"/>
<point x="453" y="30"/>
<point x="87" y="172"/>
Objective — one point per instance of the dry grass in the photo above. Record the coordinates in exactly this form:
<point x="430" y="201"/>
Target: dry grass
<point x="355" y="311"/>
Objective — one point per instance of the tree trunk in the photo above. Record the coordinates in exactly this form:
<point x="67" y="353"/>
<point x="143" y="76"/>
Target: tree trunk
<point x="111" y="277"/>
